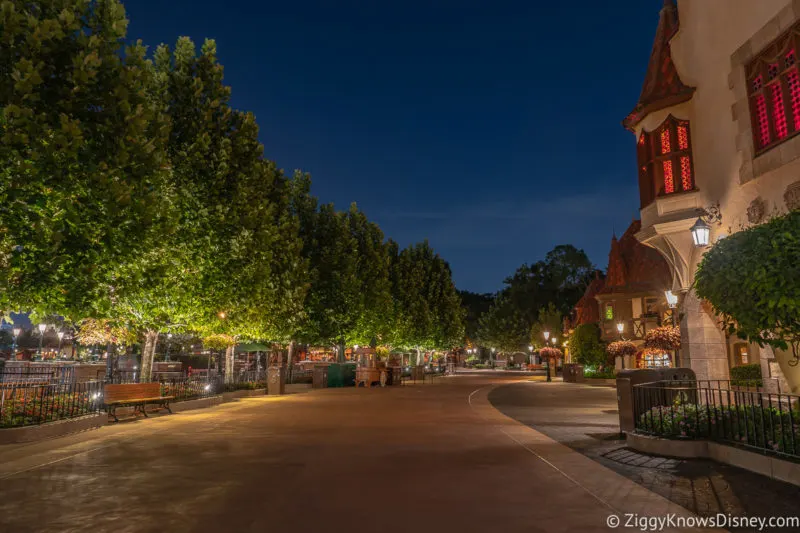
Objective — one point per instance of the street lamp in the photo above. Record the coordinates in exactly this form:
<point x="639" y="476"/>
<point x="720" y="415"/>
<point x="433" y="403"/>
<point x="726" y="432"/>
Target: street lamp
<point x="620" y="329"/>
<point x="547" y="359"/>
<point x="16" y="332"/>
<point x="700" y="233"/>
<point x="42" y="329"/>
<point x="530" y="354"/>
<point x="166" y="357"/>
<point x="60" y="338"/>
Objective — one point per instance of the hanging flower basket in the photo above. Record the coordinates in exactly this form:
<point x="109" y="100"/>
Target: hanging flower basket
<point x="551" y="353"/>
<point x="621" y="349"/>
<point x="663" y="338"/>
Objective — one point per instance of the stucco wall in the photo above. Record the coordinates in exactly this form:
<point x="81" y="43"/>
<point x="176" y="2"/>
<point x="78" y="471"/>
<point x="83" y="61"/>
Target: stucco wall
<point x="717" y="38"/>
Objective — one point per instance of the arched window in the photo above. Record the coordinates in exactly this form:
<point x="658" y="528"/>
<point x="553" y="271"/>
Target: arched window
<point x="773" y="85"/>
<point x="665" y="160"/>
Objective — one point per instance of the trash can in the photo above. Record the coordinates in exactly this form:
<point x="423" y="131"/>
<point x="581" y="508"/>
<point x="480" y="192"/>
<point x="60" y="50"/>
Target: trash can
<point x="573" y="373"/>
<point x="341" y="375"/>
<point x="319" y="377"/>
<point x="276" y="380"/>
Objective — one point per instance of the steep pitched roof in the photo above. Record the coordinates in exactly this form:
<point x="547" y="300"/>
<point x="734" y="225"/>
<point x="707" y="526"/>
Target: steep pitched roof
<point x="586" y="310"/>
<point x="634" y="267"/>
<point x="662" y="84"/>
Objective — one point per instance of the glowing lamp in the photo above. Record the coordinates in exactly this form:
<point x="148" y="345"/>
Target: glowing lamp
<point x="672" y="299"/>
<point x="700" y="233"/>
<point x="546" y="335"/>
<point x="620" y="327"/>
<point x="42" y="328"/>
<point x="16" y="331"/>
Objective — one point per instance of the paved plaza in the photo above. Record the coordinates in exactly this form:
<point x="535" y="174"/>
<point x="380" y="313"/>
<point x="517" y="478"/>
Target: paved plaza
<point x="432" y="457"/>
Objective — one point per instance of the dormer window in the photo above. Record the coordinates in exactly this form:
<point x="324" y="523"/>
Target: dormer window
<point x="665" y="160"/>
<point x="774" y="93"/>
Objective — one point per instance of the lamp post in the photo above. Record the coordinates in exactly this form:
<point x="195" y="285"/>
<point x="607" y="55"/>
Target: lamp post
<point x="491" y="359"/>
<point x="166" y="357"/>
<point x="16" y="332"/>
<point x="42" y="329"/>
<point x="547" y="360"/>
<point x="60" y="338"/>
<point x="530" y="354"/>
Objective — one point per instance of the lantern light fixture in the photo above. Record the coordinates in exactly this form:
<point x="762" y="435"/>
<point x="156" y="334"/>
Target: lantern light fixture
<point x="672" y="299"/>
<point x="42" y="327"/>
<point x="546" y="335"/>
<point x="620" y="327"/>
<point x="700" y="233"/>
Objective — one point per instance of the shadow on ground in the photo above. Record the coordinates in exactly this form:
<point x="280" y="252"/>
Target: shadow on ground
<point x="585" y="419"/>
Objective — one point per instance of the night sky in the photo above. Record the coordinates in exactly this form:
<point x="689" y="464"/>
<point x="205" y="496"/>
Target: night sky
<point x="491" y="128"/>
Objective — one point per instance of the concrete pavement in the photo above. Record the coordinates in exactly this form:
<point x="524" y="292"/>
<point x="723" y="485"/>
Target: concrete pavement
<point x="416" y="458"/>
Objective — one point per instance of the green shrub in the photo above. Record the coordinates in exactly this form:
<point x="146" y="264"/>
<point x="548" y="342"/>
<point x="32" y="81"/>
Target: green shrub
<point x="753" y="425"/>
<point x="747" y="375"/>
<point x="752" y="279"/>
<point x="606" y="373"/>
<point x="586" y="346"/>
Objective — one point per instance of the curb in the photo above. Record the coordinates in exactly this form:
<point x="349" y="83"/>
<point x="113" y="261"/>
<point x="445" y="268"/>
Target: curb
<point x="53" y="429"/>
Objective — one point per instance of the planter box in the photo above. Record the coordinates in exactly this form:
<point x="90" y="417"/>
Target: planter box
<point x="766" y="465"/>
<point x="244" y="393"/>
<point x="200" y="403"/>
<point x="601" y="382"/>
<point x="52" y="429"/>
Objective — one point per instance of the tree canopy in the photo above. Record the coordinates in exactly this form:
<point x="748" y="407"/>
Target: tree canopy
<point x="135" y="197"/>
<point x="762" y="263"/>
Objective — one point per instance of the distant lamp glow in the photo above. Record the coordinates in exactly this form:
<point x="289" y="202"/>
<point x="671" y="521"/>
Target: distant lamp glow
<point x="207" y="387"/>
<point x="221" y="314"/>
<point x="672" y="299"/>
<point x="60" y="335"/>
<point x="42" y="328"/>
<point x="530" y="348"/>
<point x="554" y="340"/>
<point x="546" y="335"/>
<point x="17" y="331"/>
<point x="620" y="327"/>
<point x="700" y="233"/>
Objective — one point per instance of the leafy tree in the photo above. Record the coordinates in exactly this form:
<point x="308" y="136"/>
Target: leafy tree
<point x="504" y="326"/>
<point x="549" y="319"/>
<point x="84" y="187"/>
<point x="237" y="233"/>
<point x="553" y="285"/>
<point x="427" y="308"/>
<point x="475" y="305"/>
<point x="752" y="279"/>
<point x="586" y="346"/>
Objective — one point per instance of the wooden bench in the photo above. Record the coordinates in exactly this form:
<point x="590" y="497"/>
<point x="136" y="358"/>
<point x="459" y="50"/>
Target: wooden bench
<point x="136" y="395"/>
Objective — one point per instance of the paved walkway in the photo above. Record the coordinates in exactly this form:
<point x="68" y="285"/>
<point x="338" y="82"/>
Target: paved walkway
<point x="585" y="419"/>
<point x="418" y="458"/>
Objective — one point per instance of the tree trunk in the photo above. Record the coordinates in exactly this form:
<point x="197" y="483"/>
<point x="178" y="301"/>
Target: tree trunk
<point x="229" y="353"/>
<point x="418" y="357"/>
<point x="148" y="354"/>
<point x="289" y="361"/>
<point x="340" y="355"/>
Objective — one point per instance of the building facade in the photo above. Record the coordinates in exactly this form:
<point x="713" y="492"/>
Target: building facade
<point x="716" y="135"/>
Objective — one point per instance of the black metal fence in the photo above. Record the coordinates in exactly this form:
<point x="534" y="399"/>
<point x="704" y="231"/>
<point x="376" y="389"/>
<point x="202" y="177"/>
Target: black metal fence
<point x="40" y="374"/>
<point x="719" y="411"/>
<point x="28" y="404"/>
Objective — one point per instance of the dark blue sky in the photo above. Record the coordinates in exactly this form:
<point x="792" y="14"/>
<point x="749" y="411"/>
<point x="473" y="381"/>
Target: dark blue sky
<point x="491" y="128"/>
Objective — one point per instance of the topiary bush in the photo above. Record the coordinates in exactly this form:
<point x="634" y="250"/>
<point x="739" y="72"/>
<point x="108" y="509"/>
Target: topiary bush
<point x="586" y="346"/>
<point x="747" y="375"/>
<point x="752" y="280"/>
